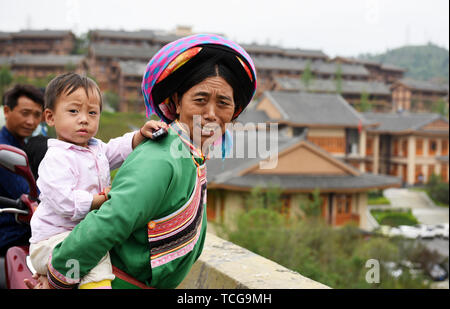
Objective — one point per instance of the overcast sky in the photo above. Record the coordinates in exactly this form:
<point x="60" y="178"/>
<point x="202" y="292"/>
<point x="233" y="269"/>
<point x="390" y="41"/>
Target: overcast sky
<point x="345" y="27"/>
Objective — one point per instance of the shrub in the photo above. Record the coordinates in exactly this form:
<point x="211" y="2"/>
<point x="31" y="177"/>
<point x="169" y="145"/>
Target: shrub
<point x="438" y="190"/>
<point x="394" y="217"/>
<point x="333" y="256"/>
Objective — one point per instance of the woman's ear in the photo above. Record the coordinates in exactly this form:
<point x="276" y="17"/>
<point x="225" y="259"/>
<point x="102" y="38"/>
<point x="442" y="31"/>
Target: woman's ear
<point x="177" y="103"/>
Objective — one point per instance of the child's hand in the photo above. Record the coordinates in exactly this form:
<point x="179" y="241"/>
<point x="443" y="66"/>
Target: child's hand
<point x="100" y="198"/>
<point x="106" y="190"/>
<point x="151" y="126"/>
<point x="147" y="131"/>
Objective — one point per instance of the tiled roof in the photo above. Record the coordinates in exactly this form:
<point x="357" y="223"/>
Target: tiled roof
<point x="41" y="33"/>
<point x="383" y="66"/>
<point x="132" y="68"/>
<point x="318" y="67"/>
<point x="423" y="85"/>
<point x="287" y="52"/>
<point x="123" y="51"/>
<point x="227" y="172"/>
<point x="398" y="122"/>
<point x="327" y="85"/>
<point x="44" y="60"/>
<point x="315" y="108"/>
<point x="311" y="182"/>
<point x="117" y="34"/>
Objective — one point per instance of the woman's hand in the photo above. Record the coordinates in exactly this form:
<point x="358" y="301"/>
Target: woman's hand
<point x="147" y="131"/>
<point x="42" y="282"/>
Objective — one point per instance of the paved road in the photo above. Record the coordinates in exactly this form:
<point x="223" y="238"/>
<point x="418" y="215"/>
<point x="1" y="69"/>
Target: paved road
<point x="422" y="207"/>
<point x="437" y="244"/>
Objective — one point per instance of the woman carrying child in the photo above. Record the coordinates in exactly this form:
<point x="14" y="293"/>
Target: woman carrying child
<point x="154" y="222"/>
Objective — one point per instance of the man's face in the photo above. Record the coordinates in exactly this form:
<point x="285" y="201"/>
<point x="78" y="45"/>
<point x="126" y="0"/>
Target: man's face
<point x="23" y="119"/>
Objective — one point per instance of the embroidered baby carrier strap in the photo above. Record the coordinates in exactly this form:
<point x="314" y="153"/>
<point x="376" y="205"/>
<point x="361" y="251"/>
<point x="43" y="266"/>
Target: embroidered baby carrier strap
<point x="175" y="235"/>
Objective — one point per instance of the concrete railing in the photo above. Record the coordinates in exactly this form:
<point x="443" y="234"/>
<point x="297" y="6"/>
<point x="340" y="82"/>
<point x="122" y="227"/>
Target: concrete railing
<point x="224" y="265"/>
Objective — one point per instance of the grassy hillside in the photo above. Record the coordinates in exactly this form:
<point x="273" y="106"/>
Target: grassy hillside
<point x="115" y="124"/>
<point x="423" y="62"/>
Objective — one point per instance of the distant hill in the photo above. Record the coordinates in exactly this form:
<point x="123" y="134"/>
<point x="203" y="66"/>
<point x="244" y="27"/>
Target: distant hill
<point x="424" y="62"/>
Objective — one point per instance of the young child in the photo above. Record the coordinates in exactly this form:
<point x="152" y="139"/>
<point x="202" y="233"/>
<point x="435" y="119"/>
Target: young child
<point x="74" y="176"/>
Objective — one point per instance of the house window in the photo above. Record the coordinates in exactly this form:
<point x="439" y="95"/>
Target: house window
<point x="419" y="174"/>
<point x="405" y="148"/>
<point x="444" y="150"/>
<point x="369" y="146"/>
<point x="395" y="152"/>
<point x="394" y="169"/>
<point x="419" y="147"/>
<point x="344" y="204"/>
<point x="433" y="148"/>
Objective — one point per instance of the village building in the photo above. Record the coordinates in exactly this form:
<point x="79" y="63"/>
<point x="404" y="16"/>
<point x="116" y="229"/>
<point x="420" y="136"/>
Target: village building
<point x="43" y="66"/>
<point x="381" y="72"/>
<point x="58" y="42"/>
<point x="328" y="120"/>
<point x="418" y="96"/>
<point x="407" y="145"/>
<point x="129" y="86"/>
<point x="152" y="38"/>
<point x="376" y="94"/>
<point x="300" y="168"/>
<point x="269" y="68"/>
<point x="103" y="61"/>
<point x="257" y="50"/>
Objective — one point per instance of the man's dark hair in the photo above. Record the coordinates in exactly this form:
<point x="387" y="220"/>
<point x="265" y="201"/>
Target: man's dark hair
<point x="11" y="97"/>
<point x="67" y="83"/>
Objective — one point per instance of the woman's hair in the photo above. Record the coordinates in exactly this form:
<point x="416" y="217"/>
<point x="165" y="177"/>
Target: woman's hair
<point x="210" y="62"/>
<point x="67" y="83"/>
<point x="206" y="71"/>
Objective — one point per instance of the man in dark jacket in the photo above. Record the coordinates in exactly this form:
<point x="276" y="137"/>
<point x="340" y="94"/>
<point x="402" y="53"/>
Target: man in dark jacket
<point x="23" y="107"/>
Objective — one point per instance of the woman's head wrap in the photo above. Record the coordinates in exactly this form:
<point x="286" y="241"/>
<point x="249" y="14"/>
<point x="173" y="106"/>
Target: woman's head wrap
<point x="175" y="62"/>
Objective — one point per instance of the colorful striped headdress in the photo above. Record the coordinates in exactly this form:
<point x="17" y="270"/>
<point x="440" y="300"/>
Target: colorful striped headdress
<point x="179" y="58"/>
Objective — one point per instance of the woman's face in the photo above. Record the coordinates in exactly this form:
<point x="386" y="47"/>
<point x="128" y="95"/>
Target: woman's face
<point x="206" y="108"/>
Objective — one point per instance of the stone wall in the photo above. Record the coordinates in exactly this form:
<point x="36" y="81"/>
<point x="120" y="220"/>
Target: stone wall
<point x="224" y="265"/>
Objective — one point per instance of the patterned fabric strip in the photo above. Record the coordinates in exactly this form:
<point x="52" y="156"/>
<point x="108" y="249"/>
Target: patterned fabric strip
<point x="176" y="126"/>
<point x="178" y="62"/>
<point x="176" y="235"/>
<point x="57" y="280"/>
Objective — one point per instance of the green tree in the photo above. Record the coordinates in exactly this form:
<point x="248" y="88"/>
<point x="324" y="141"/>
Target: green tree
<point x="81" y="44"/>
<point x="312" y="208"/>
<point x="338" y="78"/>
<point x="365" y="104"/>
<point x="6" y="79"/>
<point x="440" y="107"/>
<point x="307" y="76"/>
<point x="111" y="99"/>
<point x="423" y="62"/>
<point x="333" y="256"/>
